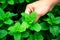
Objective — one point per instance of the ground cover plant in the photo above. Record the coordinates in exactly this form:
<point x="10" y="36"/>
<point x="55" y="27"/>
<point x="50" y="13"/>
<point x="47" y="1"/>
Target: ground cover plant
<point x="15" y="24"/>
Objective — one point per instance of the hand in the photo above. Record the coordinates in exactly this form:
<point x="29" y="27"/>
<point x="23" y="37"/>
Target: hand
<point x="41" y="7"/>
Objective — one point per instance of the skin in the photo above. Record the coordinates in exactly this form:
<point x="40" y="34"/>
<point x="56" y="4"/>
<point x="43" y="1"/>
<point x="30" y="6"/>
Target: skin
<point x="41" y="7"/>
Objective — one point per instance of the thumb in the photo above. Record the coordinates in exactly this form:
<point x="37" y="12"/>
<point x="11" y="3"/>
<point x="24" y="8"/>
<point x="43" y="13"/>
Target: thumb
<point x="28" y="9"/>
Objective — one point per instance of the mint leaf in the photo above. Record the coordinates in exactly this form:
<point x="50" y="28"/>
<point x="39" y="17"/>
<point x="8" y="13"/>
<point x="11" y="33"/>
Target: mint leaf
<point x="17" y="36"/>
<point x="29" y="18"/>
<point x="30" y="37"/>
<point x="51" y="19"/>
<point x="11" y="2"/>
<point x="9" y="21"/>
<point x="1" y="11"/>
<point x="21" y="1"/>
<point x="25" y="34"/>
<point x="57" y="20"/>
<point x="9" y="14"/>
<point x="4" y="5"/>
<point x="14" y="28"/>
<point x="38" y="36"/>
<point x="23" y="27"/>
<point x="54" y="30"/>
<point x="3" y="33"/>
<point x="1" y="23"/>
<point x="36" y="27"/>
<point x="2" y="1"/>
<point x="44" y="26"/>
<point x="27" y="1"/>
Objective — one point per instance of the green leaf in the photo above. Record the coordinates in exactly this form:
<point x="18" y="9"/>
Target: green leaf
<point x="1" y="23"/>
<point x="51" y="19"/>
<point x="30" y="37"/>
<point x="36" y="27"/>
<point x="4" y="5"/>
<point x="11" y="33"/>
<point x="58" y="37"/>
<point x="2" y="1"/>
<point x="12" y="14"/>
<point x="44" y="26"/>
<point x="11" y="2"/>
<point x="23" y="27"/>
<point x="1" y="14"/>
<point x="38" y="36"/>
<point x="1" y="11"/>
<point x="29" y="18"/>
<point x="9" y="21"/>
<point x="3" y="33"/>
<point x="25" y="34"/>
<point x="57" y="20"/>
<point x="5" y="16"/>
<point x="14" y="28"/>
<point x="16" y="1"/>
<point x="21" y="1"/>
<point x="9" y="14"/>
<point x="4" y="38"/>
<point x="27" y="1"/>
<point x="54" y="30"/>
<point x="48" y="21"/>
<point x="17" y="36"/>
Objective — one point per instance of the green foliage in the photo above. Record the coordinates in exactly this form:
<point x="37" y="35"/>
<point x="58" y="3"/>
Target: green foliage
<point x="36" y="36"/>
<point x="55" y="30"/>
<point x="35" y="27"/>
<point x="17" y="36"/>
<point x="15" y="25"/>
<point x="11" y="2"/>
<point x="21" y="1"/>
<point x="3" y="33"/>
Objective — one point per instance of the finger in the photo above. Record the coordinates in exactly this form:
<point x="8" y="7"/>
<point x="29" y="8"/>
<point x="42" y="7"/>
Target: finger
<point x="27" y="10"/>
<point x="31" y="8"/>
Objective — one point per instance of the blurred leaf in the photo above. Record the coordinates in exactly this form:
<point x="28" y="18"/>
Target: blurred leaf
<point x="3" y="33"/>
<point x="25" y="34"/>
<point x="2" y="1"/>
<point x="1" y="11"/>
<point x="38" y="36"/>
<point x="29" y="18"/>
<point x="27" y="1"/>
<point x="44" y="26"/>
<point x="23" y="27"/>
<point x="30" y="37"/>
<point x="57" y="20"/>
<point x="9" y="21"/>
<point x="36" y="27"/>
<point x="51" y="19"/>
<point x="4" y="5"/>
<point x="21" y="1"/>
<point x="54" y="30"/>
<point x="14" y="28"/>
<point x="11" y="2"/>
<point x="17" y="36"/>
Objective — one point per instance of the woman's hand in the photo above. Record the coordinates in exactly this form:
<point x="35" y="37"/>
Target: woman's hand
<point x="41" y="7"/>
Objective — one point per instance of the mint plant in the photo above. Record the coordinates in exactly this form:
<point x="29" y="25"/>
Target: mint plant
<point x="15" y="24"/>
